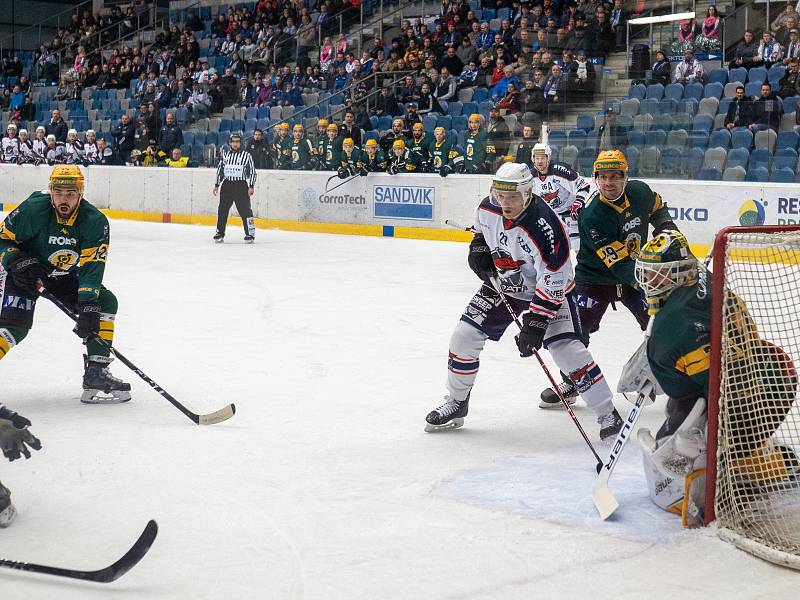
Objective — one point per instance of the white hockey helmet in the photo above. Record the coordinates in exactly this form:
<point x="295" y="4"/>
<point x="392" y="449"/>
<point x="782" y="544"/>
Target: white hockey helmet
<point x="541" y="148"/>
<point x="23" y="132"/>
<point x="72" y="132"/>
<point x="51" y="138"/>
<point x="11" y="126"/>
<point x="513" y="177"/>
<point x="40" y="128"/>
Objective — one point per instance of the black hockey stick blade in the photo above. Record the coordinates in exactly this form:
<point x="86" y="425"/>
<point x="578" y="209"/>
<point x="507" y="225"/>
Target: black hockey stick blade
<point x="107" y="575"/>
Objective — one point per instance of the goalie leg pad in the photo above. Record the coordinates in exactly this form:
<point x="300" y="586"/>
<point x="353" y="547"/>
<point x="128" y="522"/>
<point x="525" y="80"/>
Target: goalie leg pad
<point x="678" y="454"/>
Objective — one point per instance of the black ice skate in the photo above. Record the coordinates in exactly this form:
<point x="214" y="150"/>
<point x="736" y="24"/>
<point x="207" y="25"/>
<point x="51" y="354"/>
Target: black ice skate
<point x="219" y="238"/>
<point x="610" y="425"/>
<point x="549" y="398"/>
<point x="7" y="510"/>
<point x="449" y="415"/>
<point x="249" y="239"/>
<point x="99" y="386"/>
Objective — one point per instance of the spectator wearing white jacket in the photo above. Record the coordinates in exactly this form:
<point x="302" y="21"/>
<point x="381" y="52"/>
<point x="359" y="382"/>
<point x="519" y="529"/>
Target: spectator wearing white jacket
<point x="688" y="70"/>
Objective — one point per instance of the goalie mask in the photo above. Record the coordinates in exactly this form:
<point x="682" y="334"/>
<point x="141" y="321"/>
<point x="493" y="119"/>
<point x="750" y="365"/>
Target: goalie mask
<point x="664" y="263"/>
<point x="512" y="189"/>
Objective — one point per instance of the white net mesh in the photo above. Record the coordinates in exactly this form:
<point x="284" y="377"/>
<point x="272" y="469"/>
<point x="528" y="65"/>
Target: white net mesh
<point x="757" y="499"/>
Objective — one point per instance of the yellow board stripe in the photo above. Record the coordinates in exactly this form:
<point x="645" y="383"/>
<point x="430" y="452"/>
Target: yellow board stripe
<point x="696" y="361"/>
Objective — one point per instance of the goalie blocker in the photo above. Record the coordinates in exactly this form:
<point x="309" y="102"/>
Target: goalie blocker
<point x="679" y="354"/>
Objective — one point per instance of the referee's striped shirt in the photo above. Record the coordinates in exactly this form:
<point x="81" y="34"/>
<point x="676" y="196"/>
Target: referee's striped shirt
<point x="236" y="166"/>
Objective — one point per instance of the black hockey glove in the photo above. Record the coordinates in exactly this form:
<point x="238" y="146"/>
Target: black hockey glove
<point x="15" y="439"/>
<point x="665" y="226"/>
<point x="26" y="271"/>
<point x="88" y="323"/>
<point x="480" y="259"/>
<point x="445" y="171"/>
<point x="363" y="172"/>
<point x="531" y="336"/>
<point x="343" y="173"/>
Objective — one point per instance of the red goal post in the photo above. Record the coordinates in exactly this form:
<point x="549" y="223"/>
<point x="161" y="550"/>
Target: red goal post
<point x="752" y="490"/>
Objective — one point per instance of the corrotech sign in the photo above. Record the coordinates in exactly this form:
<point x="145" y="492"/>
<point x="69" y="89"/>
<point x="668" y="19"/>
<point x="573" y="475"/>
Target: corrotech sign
<point x="404" y="202"/>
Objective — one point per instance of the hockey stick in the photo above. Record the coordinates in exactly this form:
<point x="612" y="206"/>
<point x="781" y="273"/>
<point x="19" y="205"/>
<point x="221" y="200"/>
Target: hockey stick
<point x="328" y="191"/>
<point x="222" y="414"/>
<point x="107" y="575"/>
<point x="458" y="226"/>
<point x="499" y="290"/>
<point x="603" y="498"/>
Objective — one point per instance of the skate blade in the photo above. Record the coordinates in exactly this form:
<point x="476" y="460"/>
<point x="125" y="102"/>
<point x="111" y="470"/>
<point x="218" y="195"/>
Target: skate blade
<point x="558" y="405"/>
<point x="100" y="397"/>
<point x="249" y="241"/>
<point x="222" y="241"/>
<point x="454" y="424"/>
<point x="7" y="515"/>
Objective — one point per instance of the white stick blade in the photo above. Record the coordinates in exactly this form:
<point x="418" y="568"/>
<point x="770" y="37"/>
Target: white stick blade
<point x="219" y="416"/>
<point x="604" y="500"/>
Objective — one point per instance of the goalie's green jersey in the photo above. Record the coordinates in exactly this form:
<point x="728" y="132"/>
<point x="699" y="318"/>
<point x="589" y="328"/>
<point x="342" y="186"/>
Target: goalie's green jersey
<point x="613" y="232"/>
<point x="679" y="347"/>
<point x="76" y="246"/>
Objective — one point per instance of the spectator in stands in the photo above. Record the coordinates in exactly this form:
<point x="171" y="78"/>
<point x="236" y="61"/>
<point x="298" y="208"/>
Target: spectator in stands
<point x="361" y="117"/>
<point x="525" y="148"/>
<point x="788" y="12"/>
<point x="445" y="90"/>
<point x="769" y="51"/>
<point x="149" y="117"/>
<point x="740" y="110"/>
<point x="57" y="126"/>
<point x="465" y="53"/>
<point x="17" y="98"/>
<point x="767" y="110"/>
<point x="408" y="91"/>
<point x="386" y="103"/>
<point x="427" y="103"/>
<point x="611" y="136"/>
<point x="5" y="99"/>
<point x="532" y="96"/>
<point x="555" y="91"/>
<point x="170" y="136"/>
<point x="582" y="78"/>
<point x="789" y="84"/>
<point x="26" y="112"/>
<point x="618" y="20"/>
<point x="485" y="39"/>
<point x="199" y="102"/>
<point x="176" y="160"/>
<point x="124" y="135"/>
<point x="499" y="90"/>
<point x="485" y="71"/>
<point x="349" y="129"/>
<point x="745" y="51"/>
<point x="510" y="100"/>
<point x="689" y="70"/>
<point x="411" y="118"/>
<point x="469" y="76"/>
<point x="660" y="69"/>
<point x="601" y="36"/>
<point x="792" y="47"/>
<point x="261" y="93"/>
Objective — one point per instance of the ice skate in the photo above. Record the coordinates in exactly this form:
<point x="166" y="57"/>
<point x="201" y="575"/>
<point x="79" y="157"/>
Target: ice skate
<point x="249" y="239"/>
<point x="99" y="386"/>
<point x="219" y="238"/>
<point x="7" y="510"/>
<point x="610" y="424"/>
<point x="549" y="398"/>
<point x="449" y="415"/>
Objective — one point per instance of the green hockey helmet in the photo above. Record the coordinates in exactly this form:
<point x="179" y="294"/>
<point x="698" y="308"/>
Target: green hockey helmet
<point x="663" y="264"/>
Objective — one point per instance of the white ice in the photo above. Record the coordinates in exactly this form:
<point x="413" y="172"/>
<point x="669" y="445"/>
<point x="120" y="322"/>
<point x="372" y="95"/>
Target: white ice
<point x="324" y="485"/>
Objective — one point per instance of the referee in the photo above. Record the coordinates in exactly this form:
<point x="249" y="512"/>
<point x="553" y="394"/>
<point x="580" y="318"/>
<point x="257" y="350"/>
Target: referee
<point x="236" y="175"/>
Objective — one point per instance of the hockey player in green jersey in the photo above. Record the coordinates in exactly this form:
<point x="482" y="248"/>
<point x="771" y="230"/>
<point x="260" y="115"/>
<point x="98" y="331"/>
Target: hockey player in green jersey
<point x="402" y="160"/>
<point x="373" y="159"/>
<point x="302" y="153"/>
<point x="330" y="147"/>
<point x="419" y="144"/>
<point x="349" y="160"/>
<point x="282" y="147"/>
<point x="678" y="291"/>
<point x="612" y="227"/>
<point x="445" y="158"/>
<point x="58" y="238"/>
<point x="479" y="153"/>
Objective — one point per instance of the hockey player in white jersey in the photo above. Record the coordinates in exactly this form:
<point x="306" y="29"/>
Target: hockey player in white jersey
<point x="90" y="151"/>
<point x="54" y="151"/>
<point x="73" y="149"/>
<point x="26" y="154"/>
<point x="40" y="143"/>
<point x="10" y="147"/>
<point x="519" y="239"/>
<point x="561" y="187"/>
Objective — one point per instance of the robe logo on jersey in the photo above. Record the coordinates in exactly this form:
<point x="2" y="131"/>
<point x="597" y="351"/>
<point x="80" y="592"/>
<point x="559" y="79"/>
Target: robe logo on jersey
<point x="63" y="259"/>
<point x="62" y="241"/>
<point x="404" y="202"/>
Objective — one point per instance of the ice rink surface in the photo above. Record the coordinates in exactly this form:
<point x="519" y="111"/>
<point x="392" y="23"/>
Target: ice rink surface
<point x="324" y="485"/>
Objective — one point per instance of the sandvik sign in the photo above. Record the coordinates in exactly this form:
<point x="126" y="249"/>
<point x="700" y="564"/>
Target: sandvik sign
<point x="404" y="202"/>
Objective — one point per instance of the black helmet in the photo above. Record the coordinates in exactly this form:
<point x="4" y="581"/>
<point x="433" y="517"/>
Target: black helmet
<point x="235" y="137"/>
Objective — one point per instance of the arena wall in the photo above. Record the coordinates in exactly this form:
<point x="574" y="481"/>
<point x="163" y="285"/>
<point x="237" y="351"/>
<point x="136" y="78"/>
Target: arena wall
<point x="409" y="206"/>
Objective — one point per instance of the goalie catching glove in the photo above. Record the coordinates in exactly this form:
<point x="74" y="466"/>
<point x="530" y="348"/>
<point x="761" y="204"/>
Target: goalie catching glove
<point x="15" y="439"/>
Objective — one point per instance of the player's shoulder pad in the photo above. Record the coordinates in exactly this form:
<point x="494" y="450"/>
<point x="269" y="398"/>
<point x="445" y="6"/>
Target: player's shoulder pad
<point x="546" y="230"/>
<point x="564" y="171"/>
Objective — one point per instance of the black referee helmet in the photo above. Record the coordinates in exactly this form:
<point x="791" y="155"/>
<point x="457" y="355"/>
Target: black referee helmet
<point x="235" y="137"/>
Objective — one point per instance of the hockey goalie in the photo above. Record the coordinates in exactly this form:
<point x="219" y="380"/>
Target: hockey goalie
<point x="762" y="381"/>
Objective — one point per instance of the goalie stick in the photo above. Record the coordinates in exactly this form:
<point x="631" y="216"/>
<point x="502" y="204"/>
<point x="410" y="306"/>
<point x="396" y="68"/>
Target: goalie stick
<point x="218" y="416"/>
<point x="111" y="573"/>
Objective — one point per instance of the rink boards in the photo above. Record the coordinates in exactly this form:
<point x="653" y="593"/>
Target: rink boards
<point x="407" y="206"/>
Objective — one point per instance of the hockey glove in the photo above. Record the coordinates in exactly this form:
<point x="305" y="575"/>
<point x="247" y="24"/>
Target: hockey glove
<point x="665" y="226"/>
<point x="392" y="170"/>
<point x="445" y="171"/>
<point x="343" y="173"/>
<point x="26" y="271"/>
<point x="88" y="323"/>
<point x="15" y="439"/>
<point x="531" y="336"/>
<point x="480" y="259"/>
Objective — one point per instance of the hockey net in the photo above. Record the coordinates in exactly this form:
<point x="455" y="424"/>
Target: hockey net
<point x="753" y="488"/>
